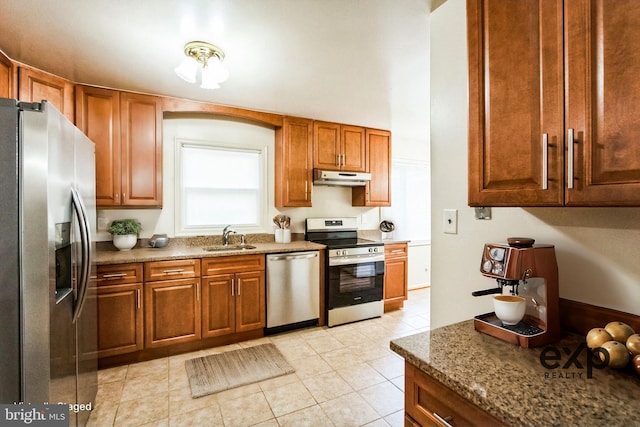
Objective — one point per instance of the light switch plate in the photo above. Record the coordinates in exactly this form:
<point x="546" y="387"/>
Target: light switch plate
<point x="450" y="221"/>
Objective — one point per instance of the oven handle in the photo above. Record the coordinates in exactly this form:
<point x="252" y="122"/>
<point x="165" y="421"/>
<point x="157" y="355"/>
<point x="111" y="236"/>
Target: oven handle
<point x="356" y="259"/>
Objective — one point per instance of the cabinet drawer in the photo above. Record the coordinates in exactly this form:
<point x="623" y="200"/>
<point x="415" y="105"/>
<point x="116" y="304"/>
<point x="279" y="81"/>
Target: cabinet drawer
<point x="430" y="403"/>
<point x="395" y="250"/>
<point x="170" y="270"/>
<point x="119" y="274"/>
<point x="232" y="264"/>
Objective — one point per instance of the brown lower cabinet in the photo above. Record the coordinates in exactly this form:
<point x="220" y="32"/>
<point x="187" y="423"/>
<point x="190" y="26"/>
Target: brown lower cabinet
<point x="172" y="313"/>
<point x="172" y="302"/>
<point x="395" y="275"/>
<point x="179" y="306"/>
<point x="120" y="309"/>
<point x="427" y="402"/>
<point x="233" y="295"/>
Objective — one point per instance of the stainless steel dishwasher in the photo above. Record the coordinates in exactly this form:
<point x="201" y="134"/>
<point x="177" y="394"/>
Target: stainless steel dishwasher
<point x="293" y="290"/>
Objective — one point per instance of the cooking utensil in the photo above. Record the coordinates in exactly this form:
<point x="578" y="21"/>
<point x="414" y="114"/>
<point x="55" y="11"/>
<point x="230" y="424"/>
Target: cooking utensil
<point x="282" y="221"/>
<point x="158" y="241"/>
<point x="387" y="226"/>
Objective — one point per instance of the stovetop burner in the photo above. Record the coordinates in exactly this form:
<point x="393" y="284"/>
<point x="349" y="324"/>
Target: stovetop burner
<point x="336" y="233"/>
<point x="346" y="243"/>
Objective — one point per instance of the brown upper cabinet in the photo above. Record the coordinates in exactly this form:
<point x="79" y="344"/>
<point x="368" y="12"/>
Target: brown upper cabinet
<point x="35" y="85"/>
<point x="376" y="192"/>
<point x="553" y="103"/>
<point x="126" y="129"/>
<point x="339" y="147"/>
<point x="293" y="163"/>
<point x="7" y="78"/>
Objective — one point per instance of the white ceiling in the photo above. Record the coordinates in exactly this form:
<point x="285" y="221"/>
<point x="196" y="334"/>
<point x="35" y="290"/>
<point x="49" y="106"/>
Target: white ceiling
<point x="363" y="62"/>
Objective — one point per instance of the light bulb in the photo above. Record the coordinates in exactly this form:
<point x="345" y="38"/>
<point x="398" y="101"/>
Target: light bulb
<point x="187" y="70"/>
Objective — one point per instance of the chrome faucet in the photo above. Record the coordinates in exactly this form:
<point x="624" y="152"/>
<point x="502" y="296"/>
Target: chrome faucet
<point x="225" y="235"/>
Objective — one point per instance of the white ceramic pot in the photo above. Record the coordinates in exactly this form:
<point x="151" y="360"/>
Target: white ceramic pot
<point x="125" y="242"/>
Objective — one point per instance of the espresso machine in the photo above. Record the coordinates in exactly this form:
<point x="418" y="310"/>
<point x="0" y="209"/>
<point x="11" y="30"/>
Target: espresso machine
<point x="528" y="270"/>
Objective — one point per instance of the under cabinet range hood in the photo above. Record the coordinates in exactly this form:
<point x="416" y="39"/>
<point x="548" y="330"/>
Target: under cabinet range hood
<point x="345" y="179"/>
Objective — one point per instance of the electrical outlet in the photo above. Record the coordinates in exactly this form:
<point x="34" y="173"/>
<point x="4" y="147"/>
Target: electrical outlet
<point x="450" y="221"/>
<point x="103" y="223"/>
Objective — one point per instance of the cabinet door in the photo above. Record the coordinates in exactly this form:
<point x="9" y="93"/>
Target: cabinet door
<point x="395" y="275"/>
<point x="172" y="312"/>
<point x="515" y="99"/>
<point x="603" y="103"/>
<point x="395" y="281"/>
<point x="6" y="77"/>
<point x="353" y="148"/>
<point x="120" y="327"/>
<point x="326" y="146"/>
<point x="250" y="301"/>
<point x="98" y="116"/>
<point x="35" y="86"/>
<point x="141" y="126"/>
<point x="376" y="192"/>
<point x="218" y="305"/>
<point x="293" y="163"/>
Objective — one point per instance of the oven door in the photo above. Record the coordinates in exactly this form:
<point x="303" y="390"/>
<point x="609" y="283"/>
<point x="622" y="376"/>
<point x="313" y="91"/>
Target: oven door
<point x="354" y="283"/>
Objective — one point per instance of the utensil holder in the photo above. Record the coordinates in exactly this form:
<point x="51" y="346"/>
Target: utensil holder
<point x="283" y="235"/>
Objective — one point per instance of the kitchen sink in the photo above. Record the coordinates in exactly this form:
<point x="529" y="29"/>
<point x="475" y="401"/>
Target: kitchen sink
<point x="221" y="248"/>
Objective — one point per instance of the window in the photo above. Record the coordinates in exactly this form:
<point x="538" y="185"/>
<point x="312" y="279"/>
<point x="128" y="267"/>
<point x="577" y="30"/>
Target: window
<point x="218" y="185"/>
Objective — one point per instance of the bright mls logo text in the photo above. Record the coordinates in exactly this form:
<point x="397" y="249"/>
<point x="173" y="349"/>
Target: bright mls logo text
<point x="37" y="415"/>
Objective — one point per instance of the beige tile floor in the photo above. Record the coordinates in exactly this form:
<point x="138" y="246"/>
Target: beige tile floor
<point x="345" y="376"/>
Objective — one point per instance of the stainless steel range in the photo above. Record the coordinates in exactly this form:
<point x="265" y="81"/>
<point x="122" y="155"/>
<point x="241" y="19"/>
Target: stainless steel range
<point x="354" y="269"/>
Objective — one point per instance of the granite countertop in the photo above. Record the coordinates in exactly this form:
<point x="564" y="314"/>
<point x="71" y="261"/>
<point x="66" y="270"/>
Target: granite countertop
<point x="510" y="382"/>
<point x="194" y="248"/>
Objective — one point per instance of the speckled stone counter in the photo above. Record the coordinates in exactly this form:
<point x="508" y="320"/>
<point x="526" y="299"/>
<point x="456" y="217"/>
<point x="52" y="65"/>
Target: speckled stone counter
<point x="195" y="248"/>
<point x="510" y="383"/>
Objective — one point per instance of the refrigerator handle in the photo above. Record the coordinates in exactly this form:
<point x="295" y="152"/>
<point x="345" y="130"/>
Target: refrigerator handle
<point x="85" y="244"/>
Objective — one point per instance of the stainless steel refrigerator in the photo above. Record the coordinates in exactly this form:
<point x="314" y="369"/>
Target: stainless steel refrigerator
<point x="48" y="325"/>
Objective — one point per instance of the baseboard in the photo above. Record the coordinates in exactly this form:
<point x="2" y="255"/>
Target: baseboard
<point x="580" y="317"/>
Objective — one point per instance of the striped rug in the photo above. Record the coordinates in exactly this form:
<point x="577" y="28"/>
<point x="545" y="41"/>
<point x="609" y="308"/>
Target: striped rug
<point x="218" y="372"/>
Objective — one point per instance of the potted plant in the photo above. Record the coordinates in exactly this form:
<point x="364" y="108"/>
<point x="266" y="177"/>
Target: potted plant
<point x="125" y="233"/>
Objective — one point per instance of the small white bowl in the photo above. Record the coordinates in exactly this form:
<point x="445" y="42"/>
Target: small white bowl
<point x="509" y="308"/>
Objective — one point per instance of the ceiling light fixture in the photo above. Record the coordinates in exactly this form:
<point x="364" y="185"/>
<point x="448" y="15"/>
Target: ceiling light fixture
<point x="210" y="58"/>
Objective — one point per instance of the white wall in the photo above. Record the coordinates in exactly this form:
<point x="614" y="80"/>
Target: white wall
<point x="597" y="248"/>
<point x="419" y="265"/>
<point x="327" y="201"/>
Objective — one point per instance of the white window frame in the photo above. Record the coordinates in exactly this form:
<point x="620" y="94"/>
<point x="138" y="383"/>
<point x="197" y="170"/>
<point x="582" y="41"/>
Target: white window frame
<point x="261" y="149"/>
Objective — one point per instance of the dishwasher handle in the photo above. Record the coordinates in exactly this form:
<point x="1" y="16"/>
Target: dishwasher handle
<point x="290" y="257"/>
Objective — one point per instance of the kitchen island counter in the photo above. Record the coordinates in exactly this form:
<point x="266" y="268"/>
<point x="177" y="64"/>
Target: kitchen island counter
<point x="511" y="384"/>
<point x="174" y="252"/>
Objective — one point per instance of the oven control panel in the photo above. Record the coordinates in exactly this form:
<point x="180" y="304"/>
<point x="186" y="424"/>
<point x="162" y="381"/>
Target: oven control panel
<point x="356" y="255"/>
<point x="357" y="251"/>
